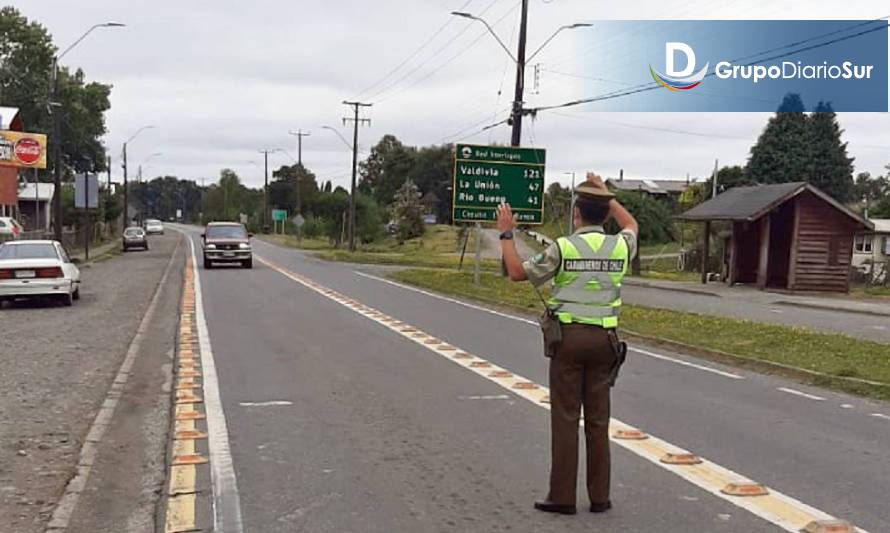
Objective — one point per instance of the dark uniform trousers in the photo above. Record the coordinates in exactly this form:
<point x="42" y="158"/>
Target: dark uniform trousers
<point x="580" y="371"/>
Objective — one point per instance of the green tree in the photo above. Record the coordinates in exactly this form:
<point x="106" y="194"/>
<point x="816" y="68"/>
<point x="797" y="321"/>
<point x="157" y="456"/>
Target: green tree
<point x="407" y="212"/>
<point x="782" y="151"/>
<point x="830" y="169"/>
<point x="433" y="173"/>
<point x="656" y="223"/>
<point x="730" y="177"/>
<point x="26" y="54"/>
<point x="386" y="169"/>
<point x="368" y="219"/>
<point x="283" y="190"/>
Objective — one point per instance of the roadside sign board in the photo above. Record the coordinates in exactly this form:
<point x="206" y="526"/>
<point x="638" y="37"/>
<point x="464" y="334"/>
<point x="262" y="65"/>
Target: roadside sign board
<point x="486" y="176"/>
<point x="86" y="191"/>
<point x="298" y="221"/>
<point x="18" y="149"/>
<point x="279" y="215"/>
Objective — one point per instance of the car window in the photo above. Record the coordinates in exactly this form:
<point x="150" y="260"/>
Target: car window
<point x="28" y="251"/>
<point x="133" y="231"/>
<point x="63" y="253"/>
<point x="226" y="232"/>
<point x="2" y="224"/>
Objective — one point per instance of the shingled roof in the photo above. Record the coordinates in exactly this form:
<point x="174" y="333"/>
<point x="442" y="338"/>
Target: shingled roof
<point x="750" y="203"/>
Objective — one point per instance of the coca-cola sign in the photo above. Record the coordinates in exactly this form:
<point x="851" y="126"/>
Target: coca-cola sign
<point x="19" y="149"/>
<point x="28" y="151"/>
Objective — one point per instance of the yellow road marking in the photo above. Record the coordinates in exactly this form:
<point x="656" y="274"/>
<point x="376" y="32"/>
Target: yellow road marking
<point x="180" y="512"/>
<point x="775" y="507"/>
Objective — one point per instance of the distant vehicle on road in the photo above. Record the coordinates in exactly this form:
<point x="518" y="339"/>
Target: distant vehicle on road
<point x="227" y="242"/>
<point x="37" y="269"/>
<point x="10" y="229"/>
<point x="134" y="237"/>
<point x="154" y="227"/>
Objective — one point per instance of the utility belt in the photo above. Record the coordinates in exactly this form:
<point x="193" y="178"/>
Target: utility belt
<point x="551" y="327"/>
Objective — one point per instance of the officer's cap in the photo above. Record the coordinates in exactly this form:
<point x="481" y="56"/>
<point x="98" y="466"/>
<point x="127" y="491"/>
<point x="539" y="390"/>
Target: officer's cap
<point x="591" y="191"/>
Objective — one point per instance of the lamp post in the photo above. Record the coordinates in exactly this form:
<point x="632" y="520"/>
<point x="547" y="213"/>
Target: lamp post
<point x="55" y="110"/>
<point x="572" y="204"/>
<point x="521" y="62"/>
<point x="124" y="164"/>
<point x="266" y="153"/>
<point x="340" y="135"/>
<point x="146" y="160"/>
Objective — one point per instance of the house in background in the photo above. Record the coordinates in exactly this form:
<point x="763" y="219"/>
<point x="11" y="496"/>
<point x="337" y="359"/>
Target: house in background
<point x="871" y="251"/>
<point x="660" y="189"/>
<point x="35" y="200"/>
<point x="9" y="175"/>
<point x="788" y="236"/>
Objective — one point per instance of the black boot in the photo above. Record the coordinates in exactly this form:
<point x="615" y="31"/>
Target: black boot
<point x="600" y="507"/>
<point x="550" y="507"/>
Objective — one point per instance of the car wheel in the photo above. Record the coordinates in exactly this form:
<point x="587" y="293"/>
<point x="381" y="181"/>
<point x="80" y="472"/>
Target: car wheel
<point x="247" y="264"/>
<point x="67" y="300"/>
<point x="207" y="264"/>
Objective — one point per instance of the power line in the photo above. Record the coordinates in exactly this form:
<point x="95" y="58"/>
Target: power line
<point x="440" y="67"/>
<point x="441" y="49"/>
<point x="413" y="54"/>
<point x="650" y="128"/>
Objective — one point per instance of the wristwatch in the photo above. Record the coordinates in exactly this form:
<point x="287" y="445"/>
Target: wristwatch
<point x="507" y="235"/>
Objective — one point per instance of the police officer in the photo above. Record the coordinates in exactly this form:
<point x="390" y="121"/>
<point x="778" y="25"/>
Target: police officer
<point x="586" y="268"/>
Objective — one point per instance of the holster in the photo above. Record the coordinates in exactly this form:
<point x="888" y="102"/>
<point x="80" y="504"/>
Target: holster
<point x="551" y="327"/>
<point x="620" y="349"/>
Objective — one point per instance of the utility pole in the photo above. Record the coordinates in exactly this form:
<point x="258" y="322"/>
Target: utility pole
<point x="266" y="190"/>
<point x="516" y="138"/>
<point x="356" y="122"/>
<point x="126" y="192"/>
<point x="56" y="108"/>
<point x="299" y="134"/>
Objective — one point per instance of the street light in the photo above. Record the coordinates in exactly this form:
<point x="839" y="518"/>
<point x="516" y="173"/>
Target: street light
<point x="126" y="192"/>
<point x="55" y="110"/>
<point x="340" y="135"/>
<point x="520" y="60"/>
<point x="146" y="160"/>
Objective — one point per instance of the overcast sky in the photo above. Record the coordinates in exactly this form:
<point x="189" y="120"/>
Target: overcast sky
<point x="221" y="80"/>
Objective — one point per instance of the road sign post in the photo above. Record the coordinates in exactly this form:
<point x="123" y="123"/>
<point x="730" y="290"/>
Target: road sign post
<point x="278" y="215"/>
<point x="298" y="222"/>
<point x="487" y="176"/>
<point x="86" y="197"/>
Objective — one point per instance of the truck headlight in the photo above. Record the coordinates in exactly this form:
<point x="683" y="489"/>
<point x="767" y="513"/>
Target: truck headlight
<point x="211" y="247"/>
<point x="244" y="246"/>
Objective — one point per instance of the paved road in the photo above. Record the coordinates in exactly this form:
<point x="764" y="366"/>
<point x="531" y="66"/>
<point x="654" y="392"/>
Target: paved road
<point x="763" y="307"/>
<point x="57" y="366"/>
<point x="370" y="431"/>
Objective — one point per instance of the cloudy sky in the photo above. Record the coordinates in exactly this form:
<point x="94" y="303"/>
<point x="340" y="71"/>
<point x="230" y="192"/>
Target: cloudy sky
<point x="221" y="80"/>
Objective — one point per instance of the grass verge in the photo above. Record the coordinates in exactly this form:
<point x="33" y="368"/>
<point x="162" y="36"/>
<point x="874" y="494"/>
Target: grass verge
<point x="829" y="360"/>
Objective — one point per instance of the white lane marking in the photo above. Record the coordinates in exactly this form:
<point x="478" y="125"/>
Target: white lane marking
<point x="687" y="363"/>
<point x="880" y="415"/>
<point x="801" y="394"/>
<point x="485" y="397"/>
<point x="882" y="328"/>
<point x="532" y="322"/>
<point x="226" y="501"/>
<point x="776" y="311"/>
<point x="272" y="403"/>
<point x="535" y="396"/>
<point x="90" y="450"/>
<point x="846" y="406"/>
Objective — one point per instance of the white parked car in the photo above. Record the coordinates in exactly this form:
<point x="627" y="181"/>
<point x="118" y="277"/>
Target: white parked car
<point x="154" y="227"/>
<point x="10" y="229"/>
<point x="37" y="269"/>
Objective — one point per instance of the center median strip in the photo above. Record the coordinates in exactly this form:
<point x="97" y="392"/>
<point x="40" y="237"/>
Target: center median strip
<point x="767" y="503"/>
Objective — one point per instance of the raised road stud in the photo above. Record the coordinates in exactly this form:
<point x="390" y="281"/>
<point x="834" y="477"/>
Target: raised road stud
<point x="829" y="526"/>
<point x="630" y="434"/>
<point x="680" y="459"/>
<point x="744" y="489"/>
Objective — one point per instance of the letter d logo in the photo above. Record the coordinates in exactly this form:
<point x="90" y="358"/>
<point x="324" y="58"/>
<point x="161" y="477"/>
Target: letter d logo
<point x="679" y="80"/>
<point x="670" y="50"/>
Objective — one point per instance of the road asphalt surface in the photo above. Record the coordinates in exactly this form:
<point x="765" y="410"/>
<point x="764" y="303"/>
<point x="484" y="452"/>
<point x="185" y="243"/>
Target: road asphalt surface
<point x="339" y="424"/>
<point x="58" y="364"/>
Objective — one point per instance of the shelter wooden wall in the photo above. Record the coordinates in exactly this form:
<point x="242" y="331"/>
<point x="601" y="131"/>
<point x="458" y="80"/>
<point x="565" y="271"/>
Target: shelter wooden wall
<point x="822" y="246"/>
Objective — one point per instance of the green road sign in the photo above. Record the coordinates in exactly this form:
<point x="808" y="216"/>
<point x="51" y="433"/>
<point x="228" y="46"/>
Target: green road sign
<point x="486" y="176"/>
<point x="279" y="215"/>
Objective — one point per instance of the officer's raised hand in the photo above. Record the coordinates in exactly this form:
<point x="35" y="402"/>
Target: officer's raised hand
<point x="506" y="222"/>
